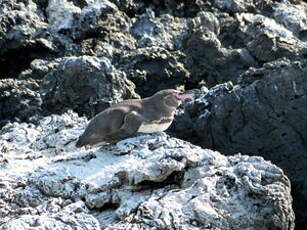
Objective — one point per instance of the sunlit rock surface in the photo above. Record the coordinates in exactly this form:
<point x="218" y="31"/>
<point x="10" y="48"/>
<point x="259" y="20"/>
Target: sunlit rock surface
<point x="152" y="181"/>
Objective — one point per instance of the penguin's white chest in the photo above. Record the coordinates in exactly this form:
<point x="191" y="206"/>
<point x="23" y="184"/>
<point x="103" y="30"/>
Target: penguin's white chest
<point x="154" y="127"/>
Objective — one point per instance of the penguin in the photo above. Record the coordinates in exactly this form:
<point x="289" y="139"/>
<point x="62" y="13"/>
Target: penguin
<point x="130" y="117"/>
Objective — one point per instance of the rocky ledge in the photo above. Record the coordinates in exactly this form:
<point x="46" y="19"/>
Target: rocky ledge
<point x="264" y="116"/>
<point x="145" y="182"/>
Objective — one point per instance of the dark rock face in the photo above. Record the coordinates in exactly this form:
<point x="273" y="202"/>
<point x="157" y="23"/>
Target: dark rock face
<point x="153" y="69"/>
<point x="214" y="64"/>
<point x="18" y="24"/>
<point x="264" y="116"/>
<point x="82" y="82"/>
<point x="23" y="34"/>
<point x="266" y="40"/>
<point x="19" y="100"/>
<point x="217" y="55"/>
<point x="207" y="58"/>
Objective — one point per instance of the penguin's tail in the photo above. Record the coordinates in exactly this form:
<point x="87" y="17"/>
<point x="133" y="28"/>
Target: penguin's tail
<point x="86" y="139"/>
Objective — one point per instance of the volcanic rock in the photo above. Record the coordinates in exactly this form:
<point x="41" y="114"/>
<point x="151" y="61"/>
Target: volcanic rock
<point x="153" y="69"/>
<point x="81" y="82"/>
<point x="151" y="181"/>
<point x="19" y="100"/>
<point x="264" y="115"/>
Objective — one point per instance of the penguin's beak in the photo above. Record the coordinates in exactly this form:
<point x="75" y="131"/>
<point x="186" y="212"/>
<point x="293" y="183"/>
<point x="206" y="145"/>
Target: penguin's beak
<point x="183" y="96"/>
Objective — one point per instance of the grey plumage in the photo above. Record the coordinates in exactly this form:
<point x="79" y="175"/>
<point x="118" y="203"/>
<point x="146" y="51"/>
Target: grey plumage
<point x="129" y="117"/>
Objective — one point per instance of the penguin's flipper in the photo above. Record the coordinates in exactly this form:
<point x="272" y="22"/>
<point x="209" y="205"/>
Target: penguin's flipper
<point x="130" y="126"/>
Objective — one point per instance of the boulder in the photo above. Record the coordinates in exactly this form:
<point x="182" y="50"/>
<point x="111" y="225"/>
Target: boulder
<point x="155" y="68"/>
<point x="48" y="29"/>
<point x="264" y="115"/>
<point x="292" y="17"/>
<point x="267" y="40"/>
<point x="164" y="30"/>
<point x="144" y="182"/>
<point x="207" y="58"/>
<point x="216" y="55"/>
<point x="62" y="15"/>
<point x="82" y="82"/>
<point x="93" y="27"/>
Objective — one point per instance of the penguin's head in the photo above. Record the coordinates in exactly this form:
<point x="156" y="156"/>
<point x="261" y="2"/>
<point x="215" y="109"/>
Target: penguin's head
<point x="171" y="97"/>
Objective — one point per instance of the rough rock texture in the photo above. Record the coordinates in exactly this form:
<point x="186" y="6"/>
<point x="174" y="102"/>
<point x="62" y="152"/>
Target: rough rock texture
<point x="86" y="84"/>
<point x="264" y="115"/>
<point x="267" y="40"/>
<point x="19" y="100"/>
<point x="164" y="31"/>
<point x="254" y="40"/>
<point x="155" y="68"/>
<point x="23" y="33"/>
<point x="81" y="82"/>
<point x="216" y="63"/>
<point x="155" y="44"/>
<point x="292" y="17"/>
<point x="152" y="181"/>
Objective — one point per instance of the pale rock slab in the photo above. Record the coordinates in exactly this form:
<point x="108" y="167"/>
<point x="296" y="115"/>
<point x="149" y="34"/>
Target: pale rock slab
<point x="145" y="182"/>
